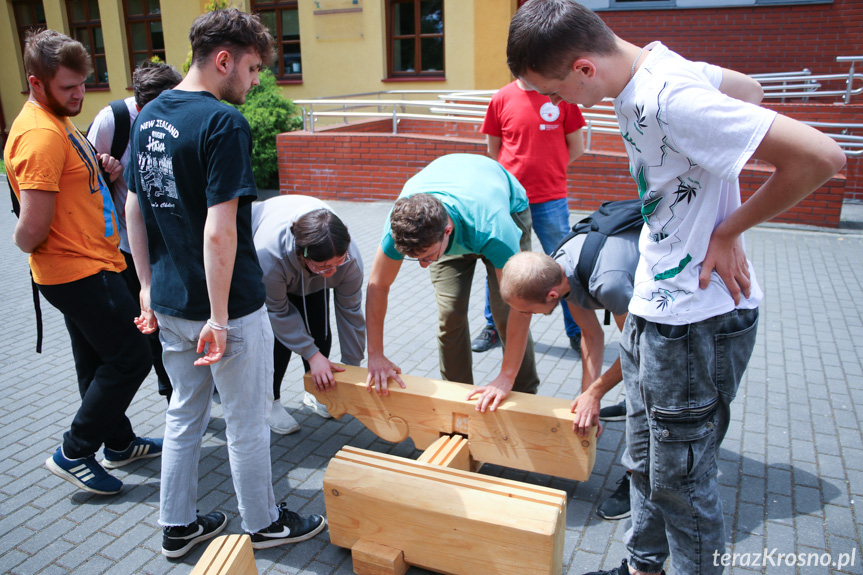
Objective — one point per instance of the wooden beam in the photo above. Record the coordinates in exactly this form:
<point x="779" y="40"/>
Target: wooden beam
<point x="528" y="432"/>
<point x="441" y="519"/>
<point x="450" y="451"/>
<point x="372" y="559"/>
<point x="227" y="555"/>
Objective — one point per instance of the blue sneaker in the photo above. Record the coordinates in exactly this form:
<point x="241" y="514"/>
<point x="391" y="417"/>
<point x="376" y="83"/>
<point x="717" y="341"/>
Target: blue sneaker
<point x="84" y="472"/>
<point x="140" y="448"/>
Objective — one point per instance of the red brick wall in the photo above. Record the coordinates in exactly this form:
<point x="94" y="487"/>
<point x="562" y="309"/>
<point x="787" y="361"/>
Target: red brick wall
<point x="752" y="39"/>
<point x="365" y="166"/>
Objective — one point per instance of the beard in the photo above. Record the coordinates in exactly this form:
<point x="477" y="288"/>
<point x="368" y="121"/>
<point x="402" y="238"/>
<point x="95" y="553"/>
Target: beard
<point x="232" y="89"/>
<point x="58" y="108"/>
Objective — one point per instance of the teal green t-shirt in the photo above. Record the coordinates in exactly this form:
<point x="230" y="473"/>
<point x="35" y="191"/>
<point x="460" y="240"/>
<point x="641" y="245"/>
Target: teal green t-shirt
<point x="480" y="197"/>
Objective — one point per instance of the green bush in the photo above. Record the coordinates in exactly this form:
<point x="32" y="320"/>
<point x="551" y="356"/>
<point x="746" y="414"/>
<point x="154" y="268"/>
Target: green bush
<point x="269" y="113"/>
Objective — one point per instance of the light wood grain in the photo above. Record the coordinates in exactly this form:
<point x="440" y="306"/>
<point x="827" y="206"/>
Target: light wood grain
<point x="450" y="451"/>
<point x="227" y="555"/>
<point x="528" y="432"/>
<point x="442" y="519"/>
<point x="372" y="559"/>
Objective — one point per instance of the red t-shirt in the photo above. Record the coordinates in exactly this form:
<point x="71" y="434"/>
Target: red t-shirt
<point x="533" y="139"/>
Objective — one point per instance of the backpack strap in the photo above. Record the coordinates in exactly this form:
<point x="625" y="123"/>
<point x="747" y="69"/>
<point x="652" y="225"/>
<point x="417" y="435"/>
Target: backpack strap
<point x="122" y="126"/>
<point x="16" y="208"/>
<point x="610" y="219"/>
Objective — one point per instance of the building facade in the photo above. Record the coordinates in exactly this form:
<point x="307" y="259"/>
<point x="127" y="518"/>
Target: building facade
<point x="339" y="47"/>
<point x="325" y="47"/>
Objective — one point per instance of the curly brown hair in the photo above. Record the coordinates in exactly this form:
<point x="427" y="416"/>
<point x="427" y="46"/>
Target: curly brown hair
<point x="417" y="222"/>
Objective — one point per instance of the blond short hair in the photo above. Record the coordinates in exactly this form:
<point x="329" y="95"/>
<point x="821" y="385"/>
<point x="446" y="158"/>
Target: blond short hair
<point x="529" y="276"/>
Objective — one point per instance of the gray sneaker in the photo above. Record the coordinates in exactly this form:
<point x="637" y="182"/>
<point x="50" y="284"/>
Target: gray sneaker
<point x="280" y="421"/>
<point x="312" y="403"/>
<point x="487" y="339"/>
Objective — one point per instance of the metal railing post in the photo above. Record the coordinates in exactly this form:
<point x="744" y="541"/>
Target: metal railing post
<point x="312" y="118"/>
<point x="848" y="83"/>
<point x="395" y="119"/>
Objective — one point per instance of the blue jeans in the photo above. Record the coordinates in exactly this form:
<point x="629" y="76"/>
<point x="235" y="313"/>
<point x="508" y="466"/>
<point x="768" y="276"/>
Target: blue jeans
<point x="680" y="381"/>
<point x="244" y="376"/>
<point x="551" y="224"/>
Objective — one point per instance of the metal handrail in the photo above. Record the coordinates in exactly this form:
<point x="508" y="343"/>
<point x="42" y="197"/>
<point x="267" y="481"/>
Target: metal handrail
<point x="600" y="119"/>
<point x="802" y="84"/>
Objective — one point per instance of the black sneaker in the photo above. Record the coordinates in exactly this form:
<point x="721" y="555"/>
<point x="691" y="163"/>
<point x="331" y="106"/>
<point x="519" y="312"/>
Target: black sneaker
<point x="177" y="541"/>
<point x="290" y="527"/>
<point x="622" y="570"/>
<point x="615" y="412"/>
<point x="575" y="343"/>
<point x="617" y="504"/>
<point x="487" y="339"/>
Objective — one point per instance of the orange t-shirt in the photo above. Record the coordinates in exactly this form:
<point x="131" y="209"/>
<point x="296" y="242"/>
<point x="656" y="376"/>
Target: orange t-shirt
<point x="44" y="152"/>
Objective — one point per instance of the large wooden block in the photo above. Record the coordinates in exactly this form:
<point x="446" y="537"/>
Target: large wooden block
<point x="227" y="555"/>
<point x="445" y="520"/>
<point x="528" y="432"/>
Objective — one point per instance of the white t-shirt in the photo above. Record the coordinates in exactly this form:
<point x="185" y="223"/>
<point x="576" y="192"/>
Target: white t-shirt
<point x="687" y="143"/>
<point x="101" y="135"/>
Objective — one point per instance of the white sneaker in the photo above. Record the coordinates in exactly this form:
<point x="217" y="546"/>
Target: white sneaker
<point x="312" y="402"/>
<point x="280" y="421"/>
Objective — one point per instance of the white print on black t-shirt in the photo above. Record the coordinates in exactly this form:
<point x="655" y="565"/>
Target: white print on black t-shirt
<point x="157" y="169"/>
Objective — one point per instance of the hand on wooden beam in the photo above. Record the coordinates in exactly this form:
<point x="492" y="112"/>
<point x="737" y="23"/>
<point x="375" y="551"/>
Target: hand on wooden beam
<point x="381" y="370"/>
<point x="321" y="370"/>
<point x="528" y="432"/>
<point x="492" y="394"/>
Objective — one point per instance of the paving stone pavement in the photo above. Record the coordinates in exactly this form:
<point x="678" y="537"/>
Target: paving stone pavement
<point x="791" y="467"/>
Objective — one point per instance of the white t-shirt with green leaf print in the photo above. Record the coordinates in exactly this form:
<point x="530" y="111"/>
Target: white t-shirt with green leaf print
<point x="687" y="144"/>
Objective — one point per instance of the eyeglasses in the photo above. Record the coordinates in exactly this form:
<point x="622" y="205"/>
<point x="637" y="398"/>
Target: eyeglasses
<point x="443" y="245"/>
<point x="320" y="271"/>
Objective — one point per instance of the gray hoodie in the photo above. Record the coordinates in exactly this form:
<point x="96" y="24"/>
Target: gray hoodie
<point x="284" y="274"/>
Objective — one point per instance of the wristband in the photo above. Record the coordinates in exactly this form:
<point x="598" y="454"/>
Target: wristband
<point x="213" y="325"/>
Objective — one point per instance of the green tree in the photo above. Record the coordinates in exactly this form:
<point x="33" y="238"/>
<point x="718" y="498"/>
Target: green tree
<point x="268" y="113"/>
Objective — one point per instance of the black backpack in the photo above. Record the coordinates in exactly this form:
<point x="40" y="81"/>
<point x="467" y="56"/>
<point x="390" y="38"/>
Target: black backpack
<point x="122" y="127"/>
<point x="610" y="219"/>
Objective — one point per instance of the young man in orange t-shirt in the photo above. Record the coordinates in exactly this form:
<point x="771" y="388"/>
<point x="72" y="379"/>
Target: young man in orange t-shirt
<point x="68" y="225"/>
